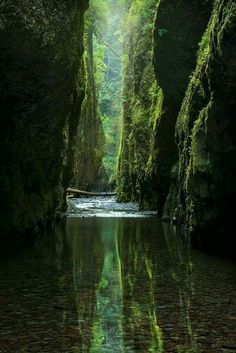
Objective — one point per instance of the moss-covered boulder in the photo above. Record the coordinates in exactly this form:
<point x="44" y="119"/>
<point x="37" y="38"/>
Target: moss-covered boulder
<point x="41" y="91"/>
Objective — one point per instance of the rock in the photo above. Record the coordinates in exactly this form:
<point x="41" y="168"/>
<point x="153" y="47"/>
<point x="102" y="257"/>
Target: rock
<point x="166" y="219"/>
<point x="230" y="345"/>
<point x="41" y="85"/>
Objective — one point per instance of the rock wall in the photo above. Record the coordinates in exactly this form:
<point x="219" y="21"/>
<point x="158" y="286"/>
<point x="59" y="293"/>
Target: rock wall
<point x="90" y="140"/>
<point x="203" y="190"/>
<point x="41" y="91"/>
<point x="181" y="155"/>
<point x="140" y="100"/>
<point x="179" y="26"/>
<point x="153" y="93"/>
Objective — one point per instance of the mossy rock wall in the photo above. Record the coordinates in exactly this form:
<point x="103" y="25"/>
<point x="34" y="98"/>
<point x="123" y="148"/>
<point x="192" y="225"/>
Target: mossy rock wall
<point x="178" y="148"/>
<point x="179" y="26"/>
<point x="153" y="93"/>
<point x="140" y="99"/>
<point x="41" y="91"/>
<point x="89" y="149"/>
<point x="204" y="188"/>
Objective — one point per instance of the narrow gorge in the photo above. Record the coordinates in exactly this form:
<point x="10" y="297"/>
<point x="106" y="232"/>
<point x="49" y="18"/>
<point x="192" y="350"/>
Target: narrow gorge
<point x="178" y="139"/>
<point x="118" y="176"/>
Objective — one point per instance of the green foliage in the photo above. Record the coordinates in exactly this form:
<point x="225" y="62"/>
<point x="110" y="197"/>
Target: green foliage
<point x="97" y="15"/>
<point x="102" y="105"/>
<point x="205" y="131"/>
<point x="139" y="18"/>
<point x="111" y="130"/>
<point x="141" y="101"/>
<point x="100" y="67"/>
<point x="107" y="65"/>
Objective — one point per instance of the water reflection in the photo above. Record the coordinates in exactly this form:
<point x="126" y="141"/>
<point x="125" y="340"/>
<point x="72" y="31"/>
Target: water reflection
<point x="107" y="328"/>
<point x="87" y="261"/>
<point x="181" y="272"/>
<point x="141" y="329"/>
<point x="116" y="285"/>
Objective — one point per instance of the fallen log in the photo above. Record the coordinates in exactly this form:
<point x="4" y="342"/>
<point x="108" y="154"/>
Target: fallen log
<point x="80" y="193"/>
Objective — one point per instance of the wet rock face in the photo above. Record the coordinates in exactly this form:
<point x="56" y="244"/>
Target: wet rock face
<point x="179" y="26"/>
<point x="204" y="189"/>
<point x="187" y="159"/>
<point x="141" y="97"/>
<point x="41" y="91"/>
<point x="89" y="147"/>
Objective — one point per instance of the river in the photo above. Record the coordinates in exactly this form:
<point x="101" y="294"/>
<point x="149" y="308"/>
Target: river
<point x="112" y="279"/>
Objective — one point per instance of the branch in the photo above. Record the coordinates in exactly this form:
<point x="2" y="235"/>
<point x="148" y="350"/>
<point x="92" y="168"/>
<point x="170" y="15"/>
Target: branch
<point x="108" y="46"/>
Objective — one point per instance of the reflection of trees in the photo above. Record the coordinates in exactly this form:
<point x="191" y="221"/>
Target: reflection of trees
<point x="107" y="330"/>
<point x="84" y="239"/>
<point x="131" y="287"/>
<point x="140" y="320"/>
<point x="181" y="272"/>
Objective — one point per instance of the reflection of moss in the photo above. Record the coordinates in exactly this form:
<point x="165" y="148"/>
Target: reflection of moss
<point x="87" y="262"/>
<point x="140" y="285"/>
<point x="157" y="344"/>
<point x="107" y="328"/>
<point x="104" y="283"/>
<point x="181" y="272"/>
<point x="98" y="337"/>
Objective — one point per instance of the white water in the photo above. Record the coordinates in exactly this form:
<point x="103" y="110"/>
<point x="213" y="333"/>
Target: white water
<point x="105" y="207"/>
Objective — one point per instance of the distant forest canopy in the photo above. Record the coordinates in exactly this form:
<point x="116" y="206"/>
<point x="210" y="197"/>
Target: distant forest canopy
<point x="111" y="20"/>
<point x="107" y="17"/>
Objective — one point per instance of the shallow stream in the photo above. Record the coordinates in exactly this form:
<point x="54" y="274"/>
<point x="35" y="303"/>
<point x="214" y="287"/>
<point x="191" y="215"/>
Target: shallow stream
<point x="112" y="279"/>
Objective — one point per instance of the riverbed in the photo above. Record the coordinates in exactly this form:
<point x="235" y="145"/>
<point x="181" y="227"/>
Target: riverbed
<point x="113" y="279"/>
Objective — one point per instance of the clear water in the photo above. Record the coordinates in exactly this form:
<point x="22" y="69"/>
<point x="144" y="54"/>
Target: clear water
<point x="120" y="284"/>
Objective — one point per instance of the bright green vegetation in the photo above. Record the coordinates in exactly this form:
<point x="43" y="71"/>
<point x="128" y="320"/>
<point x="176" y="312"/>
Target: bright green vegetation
<point x="141" y="98"/>
<point x="112" y="307"/>
<point x="108" y="52"/>
<point x="178" y="135"/>
<point x="109" y="296"/>
<point x="99" y="126"/>
<point x="90" y="136"/>
<point x="153" y="94"/>
<point x="110" y="88"/>
<point x="150" y="82"/>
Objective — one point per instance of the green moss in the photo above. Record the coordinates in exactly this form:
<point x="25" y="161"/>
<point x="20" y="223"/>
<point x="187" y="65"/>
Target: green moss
<point x="141" y="97"/>
<point x="181" y="37"/>
<point x="90" y="136"/>
<point x="206" y="131"/>
<point x="198" y="146"/>
<point x="41" y="91"/>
